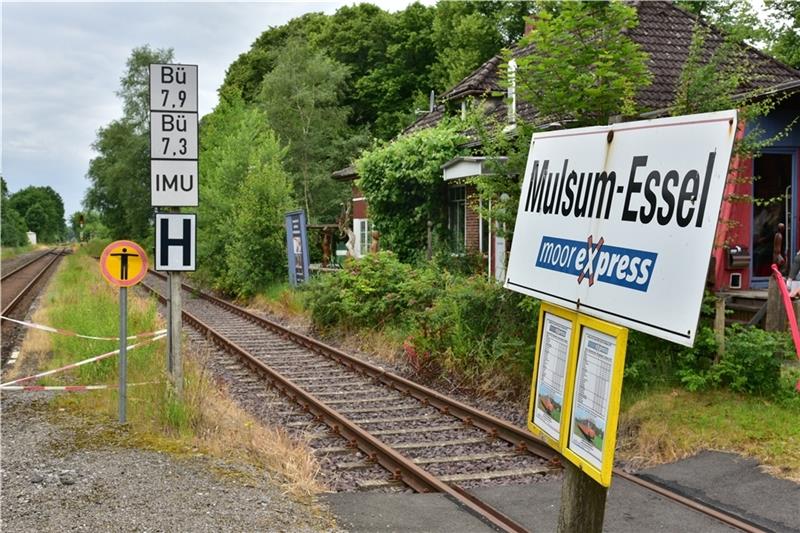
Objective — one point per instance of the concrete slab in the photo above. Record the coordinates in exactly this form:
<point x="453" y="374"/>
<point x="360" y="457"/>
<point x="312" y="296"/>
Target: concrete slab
<point x="735" y="484"/>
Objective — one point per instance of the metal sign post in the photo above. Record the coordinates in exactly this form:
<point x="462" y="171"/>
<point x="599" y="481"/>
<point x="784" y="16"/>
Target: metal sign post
<point x="123" y="352"/>
<point x="175" y="323"/>
<point x="124" y="264"/>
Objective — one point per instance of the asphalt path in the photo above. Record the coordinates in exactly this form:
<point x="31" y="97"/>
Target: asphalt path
<point x="723" y="480"/>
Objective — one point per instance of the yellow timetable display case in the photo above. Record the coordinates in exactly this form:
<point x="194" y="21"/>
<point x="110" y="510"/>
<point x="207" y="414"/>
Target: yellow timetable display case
<point x="576" y="386"/>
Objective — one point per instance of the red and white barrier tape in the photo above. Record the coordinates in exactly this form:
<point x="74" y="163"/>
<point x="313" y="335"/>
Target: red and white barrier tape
<point x="79" y="363"/>
<point x="73" y="334"/>
<point x="72" y="388"/>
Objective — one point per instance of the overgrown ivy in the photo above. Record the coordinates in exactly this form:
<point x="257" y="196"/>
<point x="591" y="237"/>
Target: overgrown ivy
<point x="403" y="184"/>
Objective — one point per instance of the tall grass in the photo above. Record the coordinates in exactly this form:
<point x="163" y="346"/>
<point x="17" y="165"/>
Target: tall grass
<point x="80" y="300"/>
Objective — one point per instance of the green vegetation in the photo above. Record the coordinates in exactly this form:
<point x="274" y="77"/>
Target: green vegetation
<point x="599" y="68"/>
<point x="301" y="99"/>
<point x="38" y="209"/>
<point x="665" y="425"/>
<point x="403" y="181"/>
<point x="245" y="193"/>
<point x="120" y="174"/>
<point x="448" y="321"/>
<point x="70" y="309"/>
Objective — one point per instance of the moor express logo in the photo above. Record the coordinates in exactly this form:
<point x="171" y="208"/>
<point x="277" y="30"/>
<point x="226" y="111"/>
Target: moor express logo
<point x="597" y="262"/>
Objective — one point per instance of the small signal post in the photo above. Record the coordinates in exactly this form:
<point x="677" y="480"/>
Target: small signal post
<point x="174" y="183"/>
<point x="124" y="264"/>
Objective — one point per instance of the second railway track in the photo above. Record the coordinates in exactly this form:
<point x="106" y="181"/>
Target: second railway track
<point x="374" y="430"/>
<point x="19" y="287"/>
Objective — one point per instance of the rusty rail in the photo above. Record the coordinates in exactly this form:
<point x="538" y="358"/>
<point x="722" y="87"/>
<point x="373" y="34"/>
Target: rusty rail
<point x="26" y="265"/>
<point x="15" y="301"/>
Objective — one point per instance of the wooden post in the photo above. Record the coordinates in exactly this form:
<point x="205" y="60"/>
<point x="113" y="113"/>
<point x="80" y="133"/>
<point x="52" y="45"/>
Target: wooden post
<point x="719" y="327"/>
<point x="776" y="314"/>
<point x="583" y="502"/>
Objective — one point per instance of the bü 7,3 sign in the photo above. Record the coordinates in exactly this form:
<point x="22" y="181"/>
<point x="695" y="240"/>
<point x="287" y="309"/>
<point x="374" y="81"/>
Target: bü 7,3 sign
<point x="618" y="221"/>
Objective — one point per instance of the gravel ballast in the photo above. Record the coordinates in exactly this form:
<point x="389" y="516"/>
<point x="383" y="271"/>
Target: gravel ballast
<point x="53" y="480"/>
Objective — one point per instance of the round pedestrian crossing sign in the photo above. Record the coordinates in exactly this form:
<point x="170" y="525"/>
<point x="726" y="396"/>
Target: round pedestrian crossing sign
<point x="123" y="263"/>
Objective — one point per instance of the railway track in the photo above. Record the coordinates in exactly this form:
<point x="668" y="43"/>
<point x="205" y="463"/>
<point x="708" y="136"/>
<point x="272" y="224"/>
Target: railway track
<point x="20" y="286"/>
<point x="374" y="430"/>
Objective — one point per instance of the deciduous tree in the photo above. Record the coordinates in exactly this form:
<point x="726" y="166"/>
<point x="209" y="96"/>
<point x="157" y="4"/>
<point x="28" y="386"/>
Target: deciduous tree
<point x="584" y="68"/>
<point x="301" y="99"/>
<point x="120" y="174"/>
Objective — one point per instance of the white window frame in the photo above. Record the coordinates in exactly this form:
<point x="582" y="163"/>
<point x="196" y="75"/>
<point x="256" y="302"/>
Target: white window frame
<point x="360" y="235"/>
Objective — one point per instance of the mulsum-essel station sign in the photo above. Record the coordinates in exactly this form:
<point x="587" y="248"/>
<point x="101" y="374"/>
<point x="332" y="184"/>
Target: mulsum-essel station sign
<point x="618" y="221"/>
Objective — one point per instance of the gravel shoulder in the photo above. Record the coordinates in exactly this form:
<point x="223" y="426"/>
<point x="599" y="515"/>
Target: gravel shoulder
<point x="56" y="476"/>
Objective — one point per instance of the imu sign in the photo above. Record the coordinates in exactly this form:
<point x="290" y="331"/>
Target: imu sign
<point x="618" y="222"/>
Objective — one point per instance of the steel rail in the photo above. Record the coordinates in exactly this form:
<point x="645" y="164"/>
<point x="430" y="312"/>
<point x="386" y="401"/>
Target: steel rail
<point x="402" y="468"/>
<point x="13" y="303"/>
<point x="26" y="265"/>
<point x="496" y="427"/>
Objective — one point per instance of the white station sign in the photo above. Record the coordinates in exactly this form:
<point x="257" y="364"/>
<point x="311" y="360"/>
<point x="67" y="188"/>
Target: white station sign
<point x="618" y="222"/>
<point x="173" y="135"/>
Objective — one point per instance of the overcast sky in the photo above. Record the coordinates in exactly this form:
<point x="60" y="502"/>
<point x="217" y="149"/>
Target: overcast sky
<point x="62" y="63"/>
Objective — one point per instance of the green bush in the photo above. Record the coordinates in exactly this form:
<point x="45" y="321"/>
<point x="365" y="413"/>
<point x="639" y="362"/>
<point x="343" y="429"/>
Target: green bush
<point x="649" y="361"/>
<point x="370" y="292"/>
<point x="751" y="362"/>
<point x="403" y="183"/>
<point x="469" y="324"/>
<point x="477" y="325"/>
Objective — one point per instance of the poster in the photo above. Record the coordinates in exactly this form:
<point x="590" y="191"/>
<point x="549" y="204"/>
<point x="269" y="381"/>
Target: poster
<point x="297" y="247"/>
<point x="592" y="395"/>
<point x="554" y="350"/>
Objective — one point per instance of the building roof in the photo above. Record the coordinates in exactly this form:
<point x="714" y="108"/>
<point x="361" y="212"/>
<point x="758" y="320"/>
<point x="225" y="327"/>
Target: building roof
<point x="664" y="31"/>
<point x="345" y="174"/>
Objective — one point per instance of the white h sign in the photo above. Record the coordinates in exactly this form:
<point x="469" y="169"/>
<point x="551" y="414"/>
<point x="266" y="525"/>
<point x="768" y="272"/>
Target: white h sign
<point x="176" y="241"/>
<point x="618" y="221"/>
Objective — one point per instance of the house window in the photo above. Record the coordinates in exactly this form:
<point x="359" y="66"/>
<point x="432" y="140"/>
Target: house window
<point x="457" y="217"/>
<point x="361" y="228"/>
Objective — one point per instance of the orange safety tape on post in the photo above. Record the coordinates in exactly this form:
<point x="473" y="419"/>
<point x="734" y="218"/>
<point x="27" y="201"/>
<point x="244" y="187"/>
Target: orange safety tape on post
<point x="73" y="334"/>
<point x="787" y="304"/>
<point x="79" y="363"/>
<point x="71" y="388"/>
